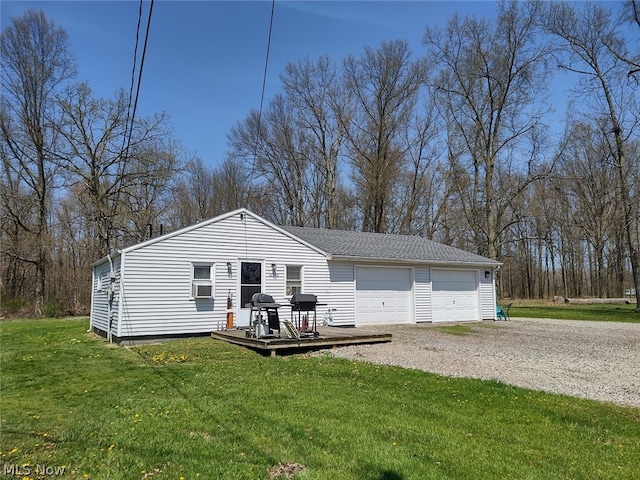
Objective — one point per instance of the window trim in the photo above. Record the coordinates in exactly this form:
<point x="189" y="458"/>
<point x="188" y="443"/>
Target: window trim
<point x="195" y="282"/>
<point x="300" y="281"/>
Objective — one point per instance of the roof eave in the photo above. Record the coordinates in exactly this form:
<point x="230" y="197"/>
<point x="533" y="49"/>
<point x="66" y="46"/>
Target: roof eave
<point x="488" y="264"/>
<point x="105" y="259"/>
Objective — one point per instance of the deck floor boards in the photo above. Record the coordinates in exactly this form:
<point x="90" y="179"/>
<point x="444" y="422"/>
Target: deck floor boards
<point x="328" y="337"/>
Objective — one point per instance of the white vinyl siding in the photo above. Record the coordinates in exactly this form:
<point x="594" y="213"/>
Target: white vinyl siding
<point x="422" y="294"/>
<point x="342" y="296"/>
<point x="487" y="297"/>
<point x="100" y="302"/>
<point x="157" y="298"/>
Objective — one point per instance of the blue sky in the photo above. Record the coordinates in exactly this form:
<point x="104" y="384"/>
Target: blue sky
<point x="205" y="59"/>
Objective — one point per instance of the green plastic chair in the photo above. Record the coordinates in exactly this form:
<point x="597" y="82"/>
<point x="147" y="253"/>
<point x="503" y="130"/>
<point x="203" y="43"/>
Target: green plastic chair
<point x="502" y="313"/>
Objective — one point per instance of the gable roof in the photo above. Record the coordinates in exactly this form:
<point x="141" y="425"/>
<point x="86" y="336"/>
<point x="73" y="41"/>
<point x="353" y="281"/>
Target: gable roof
<point x="350" y="245"/>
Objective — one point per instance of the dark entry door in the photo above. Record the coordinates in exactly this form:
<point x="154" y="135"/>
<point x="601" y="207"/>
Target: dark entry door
<point x="250" y="283"/>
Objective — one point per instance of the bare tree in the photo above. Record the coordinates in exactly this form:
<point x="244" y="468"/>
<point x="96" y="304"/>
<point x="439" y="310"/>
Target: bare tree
<point x="193" y="195"/>
<point x="491" y="75"/>
<point x="384" y="87"/>
<point x="145" y="200"/>
<point x="35" y="63"/>
<point x="315" y="93"/>
<point x="112" y="163"/>
<point x="586" y="35"/>
<point x="586" y="176"/>
<point x="232" y="187"/>
<point x="276" y="152"/>
<point x="630" y="13"/>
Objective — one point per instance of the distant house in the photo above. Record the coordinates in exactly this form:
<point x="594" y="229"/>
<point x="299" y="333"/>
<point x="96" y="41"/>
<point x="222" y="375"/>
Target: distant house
<point x="179" y="283"/>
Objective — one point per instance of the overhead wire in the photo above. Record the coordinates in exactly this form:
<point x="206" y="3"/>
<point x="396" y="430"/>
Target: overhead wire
<point x="264" y="83"/>
<point x="133" y="77"/>
<point x="131" y="114"/>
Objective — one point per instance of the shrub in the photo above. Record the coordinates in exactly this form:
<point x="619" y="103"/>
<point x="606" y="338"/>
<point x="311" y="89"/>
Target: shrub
<point x="14" y="306"/>
<point x="50" y="310"/>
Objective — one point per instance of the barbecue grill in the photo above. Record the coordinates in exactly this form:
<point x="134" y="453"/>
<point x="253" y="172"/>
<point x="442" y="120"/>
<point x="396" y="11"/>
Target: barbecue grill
<point x="258" y="326"/>
<point x="304" y="303"/>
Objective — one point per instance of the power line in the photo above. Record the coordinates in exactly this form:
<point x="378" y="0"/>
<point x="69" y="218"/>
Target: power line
<point x="264" y="83"/>
<point x="133" y="77"/>
<point x="131" y="118"/>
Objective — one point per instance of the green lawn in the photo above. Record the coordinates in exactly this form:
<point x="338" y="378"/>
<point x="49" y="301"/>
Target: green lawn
<point x="562" y="311"/>
<point x="200" y="408"/>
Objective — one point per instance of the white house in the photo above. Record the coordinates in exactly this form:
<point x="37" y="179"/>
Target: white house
<point x="179" y="283"/>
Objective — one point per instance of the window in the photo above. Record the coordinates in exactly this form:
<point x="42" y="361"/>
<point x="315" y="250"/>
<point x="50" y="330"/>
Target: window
<point x="294" y="279"/>
<point x="99" y="283"/>
<point x="201" y="282"/>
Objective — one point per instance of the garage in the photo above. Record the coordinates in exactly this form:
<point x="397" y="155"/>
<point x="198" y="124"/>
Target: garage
<point x="383" y="295"/>
<point x="454" y="295"/>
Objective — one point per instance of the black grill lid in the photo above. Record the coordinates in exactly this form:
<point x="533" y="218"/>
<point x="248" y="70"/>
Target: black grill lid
<point x="260" y="298"/>
<point x="307" y="298"/>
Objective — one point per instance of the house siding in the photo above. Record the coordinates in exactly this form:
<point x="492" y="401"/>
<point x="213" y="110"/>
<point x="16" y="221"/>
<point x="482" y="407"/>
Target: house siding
<point x="487" y="297"/>
<point x="422" y="294"/>
<point x="343" y="293"/>
<point x="157" y="299"/>
<point x="100" y="297"/>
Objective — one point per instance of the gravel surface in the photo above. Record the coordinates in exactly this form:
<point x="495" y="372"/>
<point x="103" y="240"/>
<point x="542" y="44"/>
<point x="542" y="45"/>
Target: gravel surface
<point x="596" y="360"/>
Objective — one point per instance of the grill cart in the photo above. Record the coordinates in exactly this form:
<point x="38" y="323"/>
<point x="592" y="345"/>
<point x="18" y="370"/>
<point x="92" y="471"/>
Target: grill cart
<point x="304" y="304"/>
<point x="262" y="305"/>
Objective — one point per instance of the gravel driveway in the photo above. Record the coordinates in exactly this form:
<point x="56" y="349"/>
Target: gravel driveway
<point x="596" y="360"/>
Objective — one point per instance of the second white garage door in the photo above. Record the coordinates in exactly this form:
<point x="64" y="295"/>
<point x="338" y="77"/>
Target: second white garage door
<point x="383" y="295"/>
<point x="454" y="295"/>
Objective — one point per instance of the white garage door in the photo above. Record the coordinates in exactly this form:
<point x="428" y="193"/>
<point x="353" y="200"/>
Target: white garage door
<point x="383" y="295"/>
<point x="454" y="296"/>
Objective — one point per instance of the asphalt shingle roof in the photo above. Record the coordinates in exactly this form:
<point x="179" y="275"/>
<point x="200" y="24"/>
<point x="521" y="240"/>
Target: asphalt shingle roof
<point x="380" y="246"/>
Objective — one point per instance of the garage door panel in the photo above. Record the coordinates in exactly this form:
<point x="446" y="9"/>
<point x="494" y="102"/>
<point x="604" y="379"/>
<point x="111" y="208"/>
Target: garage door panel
<point x="454" y="295"/>
<point x="383" y="295"/>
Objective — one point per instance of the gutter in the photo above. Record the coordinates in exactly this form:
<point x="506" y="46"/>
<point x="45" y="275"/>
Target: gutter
<point x="489" y="264"/>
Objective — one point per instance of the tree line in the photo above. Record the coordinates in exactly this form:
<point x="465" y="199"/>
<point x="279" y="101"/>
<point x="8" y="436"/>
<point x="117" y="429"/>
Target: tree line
<point x="458" y="142"/>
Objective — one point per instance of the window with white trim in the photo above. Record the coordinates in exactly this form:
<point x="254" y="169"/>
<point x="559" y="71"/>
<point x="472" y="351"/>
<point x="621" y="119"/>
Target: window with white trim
<point x="202" y="280"/>
<point x="293" y="280"/>
<point x="99" y="283"/>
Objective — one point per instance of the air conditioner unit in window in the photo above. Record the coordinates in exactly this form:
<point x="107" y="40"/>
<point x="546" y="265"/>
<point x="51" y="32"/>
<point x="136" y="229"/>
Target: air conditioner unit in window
<point x="202" y="291"/>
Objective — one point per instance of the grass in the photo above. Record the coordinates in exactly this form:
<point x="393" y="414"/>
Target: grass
<point x="456" y="329"/>
<point x="461" y="330"/>
<point x="592" y="312"/>
<point x="200" y="408"/>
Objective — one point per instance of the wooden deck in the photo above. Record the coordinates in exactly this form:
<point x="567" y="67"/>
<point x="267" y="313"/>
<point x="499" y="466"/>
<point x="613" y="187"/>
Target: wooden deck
<point x="328" y="337"/>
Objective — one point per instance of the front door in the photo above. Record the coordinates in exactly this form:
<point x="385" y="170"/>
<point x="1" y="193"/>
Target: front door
<point x="250" y="283"/>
